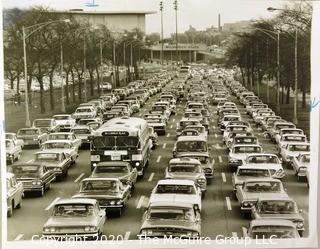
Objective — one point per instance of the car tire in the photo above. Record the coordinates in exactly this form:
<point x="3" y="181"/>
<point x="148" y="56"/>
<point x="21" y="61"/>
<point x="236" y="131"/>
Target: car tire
<point x="48" y="186"/>
<point x="10" y="212"/>
<point x="41" y="192"/>
<point x="12" y="160"/>
<point x="19" y="156"/>
<point x="132" y="187"/>
<point x="120" y="212"/>
<point x="203" y="195"/>
<point x="19" y="204"/>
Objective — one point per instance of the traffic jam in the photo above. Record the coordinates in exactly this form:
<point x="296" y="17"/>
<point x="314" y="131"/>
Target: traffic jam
<point x="187" y="154"/>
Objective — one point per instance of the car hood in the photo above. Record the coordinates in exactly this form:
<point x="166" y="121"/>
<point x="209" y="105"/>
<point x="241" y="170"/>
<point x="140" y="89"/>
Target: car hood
<point x="254" y="196"/>
<point x="175" y="198"/>
<point x="188" y="225"/>
<point x="192" y="154"/>
<point x="71" y="221"/>
<point x="98" y="195"/>
<point x="183" y="175"/>
<point x="264" y="165"/>
<point x="110" y="175"/>
<point x="292" y="217"/>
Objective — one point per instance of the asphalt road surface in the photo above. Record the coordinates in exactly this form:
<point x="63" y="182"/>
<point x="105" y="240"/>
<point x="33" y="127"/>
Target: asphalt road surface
<point x="220" y="214"/>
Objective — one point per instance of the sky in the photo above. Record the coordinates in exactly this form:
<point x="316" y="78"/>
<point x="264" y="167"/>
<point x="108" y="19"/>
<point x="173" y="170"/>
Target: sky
<point x="198" y="13"/>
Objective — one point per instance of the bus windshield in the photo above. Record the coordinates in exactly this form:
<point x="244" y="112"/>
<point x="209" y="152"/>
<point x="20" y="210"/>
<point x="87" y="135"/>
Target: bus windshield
<point x="122" y="142"/>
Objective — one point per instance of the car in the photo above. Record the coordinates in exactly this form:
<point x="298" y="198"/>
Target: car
<point x="184" y="122"/>
<point x="58" y="161"/>
<point x="200" y="128"/>
<point x="252" y="189"/>
<point x="83" y="133"/>
<point x="189" y="169"/>
<point x="111" y="194"/>
<point x="174" y="219"/>
<point x="64" y="121"/>
<point x="232" y="128"/>
<point x="291" y="131"/>
<point x="14" y="193"/>
<point x="84" y="112"/>
<point x="67" y="146"/>
<point x="271" y="161"/>
<point x="280" y="208"/>
<point x="289" y="151"/>
<point x="13" y="151"/>
<point x="13" y="136"/>
<point x="242" y="140"/>
<point x="277" y="126"/>
<point x="47" y="125"/>
<point x="300" y="164"/>
<point x="195" y="147"/>
<point x="112" y="114"/>
<point x="269" y="228"/>
<point x="238" y="153"/>
<point x="32" y="136"/>
<point x="69" y="136"/>
<point x="75" y="217"/>
<point x="227" y="119"/>
<point x="35" y="177"/>
<point x="246" y="172"/>
<point x="158" y="125"/>
<point x="116" y="169"/>
<point x="190" y="132"/>
<point x="154" y="138"/>
<point x="291" y="138"/>
<point x="176" y="190"/>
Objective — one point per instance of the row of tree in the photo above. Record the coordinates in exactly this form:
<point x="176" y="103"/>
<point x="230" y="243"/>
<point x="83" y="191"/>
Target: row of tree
<point x="80" y="44"/>
<point x="255" y="51"/>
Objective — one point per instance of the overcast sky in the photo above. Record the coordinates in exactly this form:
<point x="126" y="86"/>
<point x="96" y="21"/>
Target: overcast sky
<point x="198" y="13"/>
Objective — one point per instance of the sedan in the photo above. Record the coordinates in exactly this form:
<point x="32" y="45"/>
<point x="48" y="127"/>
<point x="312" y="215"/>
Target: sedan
<point x="300" y="164"/>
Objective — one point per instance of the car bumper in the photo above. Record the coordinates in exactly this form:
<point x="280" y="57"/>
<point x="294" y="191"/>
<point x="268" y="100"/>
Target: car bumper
<point x="235" y="163"/>
<point x="80" y="236"/>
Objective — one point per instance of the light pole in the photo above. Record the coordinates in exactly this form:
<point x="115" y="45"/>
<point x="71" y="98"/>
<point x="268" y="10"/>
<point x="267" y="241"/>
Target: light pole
<point x="25" y="36"/>
<point x="175" y="4"/>
<point x="84" y="67"/>
<point x="161" y="9"/>
<point x="101" y="69"/>
<point x="63" y="107"/>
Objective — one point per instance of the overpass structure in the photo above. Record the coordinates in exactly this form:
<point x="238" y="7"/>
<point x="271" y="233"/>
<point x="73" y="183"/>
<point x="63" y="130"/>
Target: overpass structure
<point x="186" y="52"/>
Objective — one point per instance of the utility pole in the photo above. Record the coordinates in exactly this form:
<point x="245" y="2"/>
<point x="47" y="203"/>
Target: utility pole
<point x="278" y="73"/>
<point x="161" y="9"/>
<point x="175" y="3"/>
<point x="63" y="107"/>
<point x="84" y="67"/>
<point x="295" y="106"/>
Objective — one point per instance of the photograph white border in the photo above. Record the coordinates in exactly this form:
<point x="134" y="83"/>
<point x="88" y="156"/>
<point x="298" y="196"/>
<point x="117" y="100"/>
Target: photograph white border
<point x="314" y="203"/>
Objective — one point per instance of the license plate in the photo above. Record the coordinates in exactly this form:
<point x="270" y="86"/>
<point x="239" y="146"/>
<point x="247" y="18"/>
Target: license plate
<point x="115" y="158"/>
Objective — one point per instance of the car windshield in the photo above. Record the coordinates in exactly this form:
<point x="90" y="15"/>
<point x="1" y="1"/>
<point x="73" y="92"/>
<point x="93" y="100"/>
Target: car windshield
<point x="185" y="168"/>
<point x="277" y="207"/>
<point x="9" y="136"/>
<point x="28" y="132"/>
<point x="26" y="170"/>
<point x="192" y="115"/>
<point x="190" y="133"/>
<point x="175" y="189"/>
<point x="171" y="213"/>
<point x="85" y="121"/>
<point x="296" y="147"/>
<point x="282" y="126"/>
<point x="245" y="140"/>
<point x="56" y="146"/>
<point x="48" y="157"/>
<point x="61" y="117"/>
<point x="191" y="146"/>
<point x="81" y="131"/>
<point x="111" y="169"/>
<point x="159" y="108"/>
<point x="110" y="186"/>
<point x="231" y="118"/>
<point x="115" y="142"/>
<point x="247" y="149"/>
<point x="263" y="187"/>
<point x="71" y="210"/>
<point x="154" y="120"/>
<point x="9" y="144"/>
<point x="263" y="159"/>
<point x="83" y="110"/>
<point x="280" y="232"/>
<point x="42" y="123"/>
<point x="183" y="124"/>
<point x="59" y="136"/>
<point x="253" y="173"/>
<point x="298" y="132"/>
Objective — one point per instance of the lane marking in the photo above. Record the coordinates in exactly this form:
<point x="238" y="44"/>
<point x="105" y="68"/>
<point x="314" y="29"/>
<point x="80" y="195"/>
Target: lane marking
<point x="215" y="135"/>
<point x="228" y="203"/>
<point x="168" y="135"/>
<point x="158" y="159"/>
<point x="213" y="161"/>
<point x="79" y="177"/>
<point x="164" y="145"/>
<point x="52" y="203"/>
<point x="141" y="200"/>
<point x="214" y="127"/>
<point x="223" y="175"/>
<point x="151" y="177"/>
<point x="173" y="120"/>
<point x="127" y="235"/>
<point x="235" y="234"/>
<point x="244" y="231"/>
<point x="220" y="159"/>
<point x="30" y="161"/>
<point x="19" y="237"/>
<point x="171" y="126"/>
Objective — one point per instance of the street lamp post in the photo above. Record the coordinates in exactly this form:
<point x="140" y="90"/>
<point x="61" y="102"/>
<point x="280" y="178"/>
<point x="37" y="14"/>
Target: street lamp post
<point x="161" y="9"/>
<point x="101" y="69"/>
<point x="25" y="36"/>
<point x="84" y="67"/>
<point x="295" y="106"/>
<point x="63" y="107"/>
<point x="175" y="3"/>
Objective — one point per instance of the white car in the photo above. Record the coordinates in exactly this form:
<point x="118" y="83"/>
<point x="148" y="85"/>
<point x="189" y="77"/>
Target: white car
<point x="292" y="131"/>
<point x="62" y="145"/>
<point x="291" y="138"/>
<point x="64" y="121"/>
<point x="176" y="190"/>
<point x="270" y="161"/>
<point x="84" y="112"/>
<point x="239" y="153"/>
<point x="300" y="165"/>
<point x="69" y="136"/>
<point x="13" y="136"/>
<point x="292" y="150"/>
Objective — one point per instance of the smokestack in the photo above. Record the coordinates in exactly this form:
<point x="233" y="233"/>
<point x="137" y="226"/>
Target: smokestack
<point x="219" y="23"/>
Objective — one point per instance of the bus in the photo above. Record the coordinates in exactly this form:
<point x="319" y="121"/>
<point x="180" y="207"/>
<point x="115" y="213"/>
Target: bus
<point x="184" y="69"/>
<point x="122" y="139"/>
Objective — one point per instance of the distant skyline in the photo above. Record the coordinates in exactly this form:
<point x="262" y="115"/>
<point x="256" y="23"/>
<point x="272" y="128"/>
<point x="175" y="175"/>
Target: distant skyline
<point x="200" y="14"/>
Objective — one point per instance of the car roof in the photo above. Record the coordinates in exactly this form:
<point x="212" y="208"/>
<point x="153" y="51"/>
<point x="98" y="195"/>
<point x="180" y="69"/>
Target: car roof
<point x="171" y="204"/>
<point x="54" y="151"/>
<point x="276" y="198"/>
<point x="184" y="160"/>
<point x="191" y="138"/>
<point x="176" y="181"/>
<point x="246" y="145"/>
<point x="264" y="179"/>
<point x="101" y="179"/>
<point x="112" y="163"/>
<point x="270" y="221"/>
<point x="58" y="141"/>
<point x="76" y="201"/>
<point x="253" y="167"/>
<point x="262" y="154"/>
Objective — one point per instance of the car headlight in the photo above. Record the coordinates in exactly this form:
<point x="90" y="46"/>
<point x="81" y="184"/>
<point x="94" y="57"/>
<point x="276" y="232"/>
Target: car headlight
<point x="49" y="229"/>
<point x="90" y="228"/>
<point x="195" y="234"/>
<point x="112" y="202"/>
<point x="299" y="224"/>
<point x="137" y="164"/>
<point x="119" y="202"/>
<point x="201" y="180"/>
<point x="247" y="204"/>
<point x="36" y="183"/>
<point x="56" y="169"/>
<point x="302" y="169"/>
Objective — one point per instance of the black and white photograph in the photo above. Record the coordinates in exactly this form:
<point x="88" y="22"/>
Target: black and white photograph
<point x="160" y="123"/>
